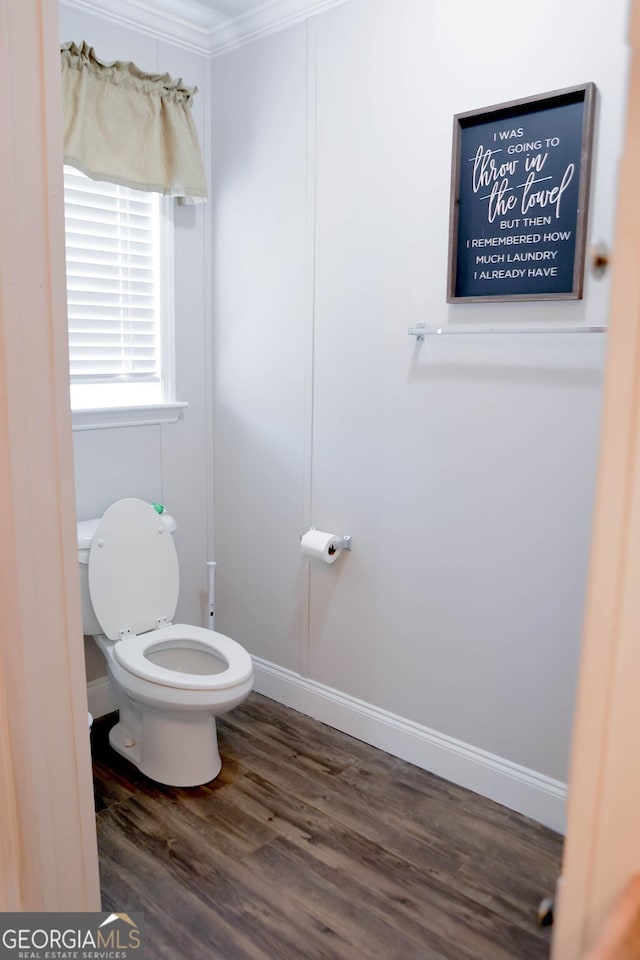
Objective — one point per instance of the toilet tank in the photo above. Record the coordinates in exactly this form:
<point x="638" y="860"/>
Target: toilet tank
<point x="86" y="533"/>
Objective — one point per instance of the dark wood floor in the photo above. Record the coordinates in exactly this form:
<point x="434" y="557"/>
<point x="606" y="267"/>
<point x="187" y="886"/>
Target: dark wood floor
<point x="313" y="845"/>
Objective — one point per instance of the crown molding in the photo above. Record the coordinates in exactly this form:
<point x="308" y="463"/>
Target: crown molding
<point x="191" y="25"/>
<point x="156" y="23"/>
<point x="268" y="18"/>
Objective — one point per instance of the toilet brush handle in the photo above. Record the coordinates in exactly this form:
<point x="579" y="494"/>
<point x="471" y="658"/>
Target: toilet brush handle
<point x="211" y="594"/>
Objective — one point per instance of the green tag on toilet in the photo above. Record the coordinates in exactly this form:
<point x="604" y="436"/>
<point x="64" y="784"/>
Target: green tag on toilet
<point x="158" y="507"/>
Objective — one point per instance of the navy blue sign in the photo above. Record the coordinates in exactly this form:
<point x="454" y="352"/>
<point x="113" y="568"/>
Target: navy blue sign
<point x="519" y="199"/>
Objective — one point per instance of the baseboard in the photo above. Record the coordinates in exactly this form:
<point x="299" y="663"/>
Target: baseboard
<point x="102" y="699"/>
<point x="519" y="788"/>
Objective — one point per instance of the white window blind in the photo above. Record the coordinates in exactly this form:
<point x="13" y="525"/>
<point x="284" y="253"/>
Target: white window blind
<point x="113" y="281"/>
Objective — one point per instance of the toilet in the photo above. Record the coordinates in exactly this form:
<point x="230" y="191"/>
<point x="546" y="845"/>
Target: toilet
<point x="171" y="680"/>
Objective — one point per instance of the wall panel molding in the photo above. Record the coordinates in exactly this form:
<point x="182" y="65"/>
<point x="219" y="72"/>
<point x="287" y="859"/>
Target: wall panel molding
<point x="101" y="697"/>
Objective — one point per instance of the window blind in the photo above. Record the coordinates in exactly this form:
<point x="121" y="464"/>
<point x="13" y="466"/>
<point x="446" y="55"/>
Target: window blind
<point x="113" y="264"/>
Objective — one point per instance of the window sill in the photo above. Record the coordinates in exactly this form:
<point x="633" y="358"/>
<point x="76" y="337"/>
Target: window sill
<point x="103" y="418"/>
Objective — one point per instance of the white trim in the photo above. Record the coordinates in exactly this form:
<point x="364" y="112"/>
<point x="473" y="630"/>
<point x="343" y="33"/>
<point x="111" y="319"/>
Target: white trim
<point x="102" y="418"/>
<point x="101" y="698"/>
<point x="208" y="331"/>
<point x="153" y="23"/>
<point x="167" y="297"/>
<point x="196" y="27"/>
<point x="267" y="19"/>
<point x="519" y="788"/>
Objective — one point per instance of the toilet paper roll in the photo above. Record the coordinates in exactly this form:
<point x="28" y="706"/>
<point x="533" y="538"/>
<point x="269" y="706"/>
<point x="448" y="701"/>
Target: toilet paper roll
<point x="320" y="545"/>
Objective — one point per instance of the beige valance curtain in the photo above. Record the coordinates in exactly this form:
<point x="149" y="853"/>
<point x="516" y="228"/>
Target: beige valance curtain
<point x="130" y="127"/>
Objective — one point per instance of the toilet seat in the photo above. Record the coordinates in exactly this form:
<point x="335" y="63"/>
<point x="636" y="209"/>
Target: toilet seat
<point x="133" y="570"/>
<point x="133" y="583"/>
<point x="132" y="652"/>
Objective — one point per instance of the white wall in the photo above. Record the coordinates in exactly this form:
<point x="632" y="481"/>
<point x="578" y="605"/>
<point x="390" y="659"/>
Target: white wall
<point x="166" y="463"/>
<point x="464" y="469"/>
<point x="260" y="331"/>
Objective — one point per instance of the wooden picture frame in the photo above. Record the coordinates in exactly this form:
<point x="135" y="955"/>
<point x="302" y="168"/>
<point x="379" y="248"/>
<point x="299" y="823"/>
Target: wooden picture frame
<point x="520" y="178"/>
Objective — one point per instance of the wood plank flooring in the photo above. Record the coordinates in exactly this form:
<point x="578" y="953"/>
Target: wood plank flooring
<point x="311" y="845"/>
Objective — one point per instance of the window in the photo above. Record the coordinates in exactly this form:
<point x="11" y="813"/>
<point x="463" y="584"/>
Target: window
<point x="119" y="262"/>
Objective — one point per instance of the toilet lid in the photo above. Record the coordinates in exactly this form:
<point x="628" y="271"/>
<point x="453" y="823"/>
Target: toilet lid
<point x="133" y="570"/>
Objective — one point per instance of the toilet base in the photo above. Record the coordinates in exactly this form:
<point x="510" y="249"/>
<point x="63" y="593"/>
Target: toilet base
<point x="179" y="752"/>
<point x="171" y="741"/>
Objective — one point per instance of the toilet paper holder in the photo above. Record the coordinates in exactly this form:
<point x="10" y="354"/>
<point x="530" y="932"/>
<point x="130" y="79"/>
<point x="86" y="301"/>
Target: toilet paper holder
<point x="338" y="543"/>
<point x="341" y="543"/>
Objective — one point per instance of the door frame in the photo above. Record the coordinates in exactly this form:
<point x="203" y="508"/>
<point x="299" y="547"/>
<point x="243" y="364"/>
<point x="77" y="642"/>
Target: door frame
<point x="48" y="849"/>
<point x="47" y="836"/>
<point x="602" y="848"/>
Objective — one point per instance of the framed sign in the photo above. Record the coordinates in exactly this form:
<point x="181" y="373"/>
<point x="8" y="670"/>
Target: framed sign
<point x="519" y="197"/>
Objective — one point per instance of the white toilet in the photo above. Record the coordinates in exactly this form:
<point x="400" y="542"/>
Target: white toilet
<point x="171" y="680"/>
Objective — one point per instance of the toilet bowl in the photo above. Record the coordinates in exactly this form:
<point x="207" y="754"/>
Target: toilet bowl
<point x="171" y="680"/>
